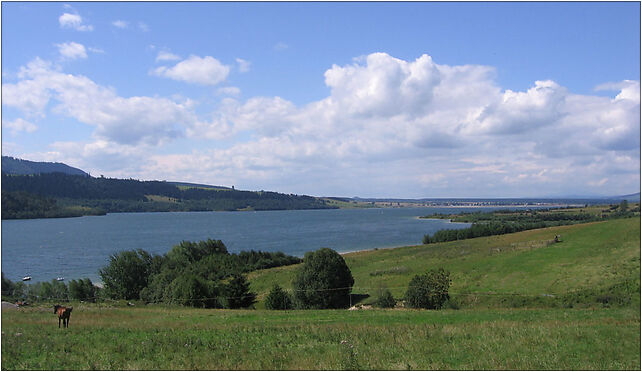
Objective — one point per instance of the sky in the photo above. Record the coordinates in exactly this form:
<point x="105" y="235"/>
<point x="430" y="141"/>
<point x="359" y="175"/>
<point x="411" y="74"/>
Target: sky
<point x="405" y="100"/>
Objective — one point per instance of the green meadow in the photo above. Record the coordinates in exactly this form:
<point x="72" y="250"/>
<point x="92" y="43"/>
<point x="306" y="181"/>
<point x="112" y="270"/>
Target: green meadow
<point x="519" y="302"/>
<point x="521" y="269"/>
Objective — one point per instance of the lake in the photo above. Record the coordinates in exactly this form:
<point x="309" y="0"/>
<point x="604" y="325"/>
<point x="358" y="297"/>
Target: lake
<point x="76" y="248"/>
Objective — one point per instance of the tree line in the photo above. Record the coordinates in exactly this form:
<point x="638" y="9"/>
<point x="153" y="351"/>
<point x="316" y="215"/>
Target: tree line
<point x="507" y="222"/>
<point x="29" y="196"/>
<point x="204" y="274"/>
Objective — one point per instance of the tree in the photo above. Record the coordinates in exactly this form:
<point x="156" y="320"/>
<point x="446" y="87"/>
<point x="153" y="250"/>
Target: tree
<point x="237" y="293"/>
<point x="127" y="274"/>
<point x="191" y="290"/>
<point x="323" y="281"/>
<point x="430" y="290"/>
<point x="82" y="290"/>
<point x="624" y="205"/>
<point x="278" y="299"/>
<point x="8" y="286"/>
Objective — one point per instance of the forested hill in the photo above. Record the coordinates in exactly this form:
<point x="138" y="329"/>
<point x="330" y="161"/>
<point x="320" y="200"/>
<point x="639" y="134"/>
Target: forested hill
<point x="62" y="195"/>
<point x="12" y="165"/>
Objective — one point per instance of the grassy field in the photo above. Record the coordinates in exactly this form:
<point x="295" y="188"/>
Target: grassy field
<point x="524" y="303"/>
<point x="519" y="269"/>
<point x="185" y="338"/>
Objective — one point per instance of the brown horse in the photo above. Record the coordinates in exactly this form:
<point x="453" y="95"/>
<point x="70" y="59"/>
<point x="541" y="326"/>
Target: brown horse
<point x="63" y="314"/>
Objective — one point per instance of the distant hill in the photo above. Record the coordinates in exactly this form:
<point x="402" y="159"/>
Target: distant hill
<point x="57" y="194"/>
<point x="199" y="186"/>
<point x="12" y="165"/>
<point x="630" y="197"/>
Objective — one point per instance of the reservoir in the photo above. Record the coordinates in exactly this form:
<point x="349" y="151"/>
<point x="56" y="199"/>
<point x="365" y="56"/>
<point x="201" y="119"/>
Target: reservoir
<point x="76" y="248"/>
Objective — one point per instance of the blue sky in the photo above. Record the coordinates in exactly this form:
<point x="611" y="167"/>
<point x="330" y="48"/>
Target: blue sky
<point x="353" y="99"/>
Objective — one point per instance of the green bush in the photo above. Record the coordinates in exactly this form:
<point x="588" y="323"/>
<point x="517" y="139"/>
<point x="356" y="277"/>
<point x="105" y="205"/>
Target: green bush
<point x="385" y="299"/>
<point x="278" y="299"/>
<point x="323" y="281"/>
<point x="429" y="291"/>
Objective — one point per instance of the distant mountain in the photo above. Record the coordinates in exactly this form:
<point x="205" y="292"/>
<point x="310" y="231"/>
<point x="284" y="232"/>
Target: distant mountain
<point x="630" y="197"/>
<point x="12" y="165"/>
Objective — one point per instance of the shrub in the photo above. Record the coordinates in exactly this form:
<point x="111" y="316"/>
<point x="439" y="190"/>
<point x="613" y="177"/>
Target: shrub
<point x="323" y="281"/>
<point x="385" y="300"/>
<point x="278" y="299"/>
<point x="430" y="290"/>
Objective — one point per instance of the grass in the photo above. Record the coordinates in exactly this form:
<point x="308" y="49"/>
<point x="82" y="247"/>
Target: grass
<point x="591" y="257"/>
<point x="184" y="338"/>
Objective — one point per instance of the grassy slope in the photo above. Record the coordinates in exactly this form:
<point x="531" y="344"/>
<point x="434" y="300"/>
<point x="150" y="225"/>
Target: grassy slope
<point x="591" y="256"/>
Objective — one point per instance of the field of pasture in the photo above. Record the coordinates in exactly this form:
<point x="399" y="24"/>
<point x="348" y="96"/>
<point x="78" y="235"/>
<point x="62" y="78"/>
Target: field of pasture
<point x="596" y="263"/>
<point x="173" y="338"/>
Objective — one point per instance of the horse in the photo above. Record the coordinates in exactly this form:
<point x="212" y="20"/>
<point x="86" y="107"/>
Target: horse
<point x="63" y="314"/>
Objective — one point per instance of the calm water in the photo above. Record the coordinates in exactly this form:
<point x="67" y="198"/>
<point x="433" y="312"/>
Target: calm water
<point x="78" y="247"/>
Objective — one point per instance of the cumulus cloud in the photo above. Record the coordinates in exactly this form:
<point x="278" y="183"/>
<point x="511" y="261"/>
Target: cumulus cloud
<point x="19" y="125"/>
<point x="402" y="117"/>
<point x="388" y="127"/>
<point x="133" y="120"/>
<point x="72" y="50"/>
<point x="74" y="21"/>
<point x="205" y="71"/>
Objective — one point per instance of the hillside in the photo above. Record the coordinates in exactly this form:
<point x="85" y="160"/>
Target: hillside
<point x="61" y="194"/>
<point x="12" y="165"/>
<point x="594" y="263"/>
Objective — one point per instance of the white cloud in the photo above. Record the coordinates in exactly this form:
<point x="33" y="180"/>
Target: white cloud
<point x="281" y="46"/>
<point x="133" y="120"/>
<point x="96" y="50"/>
<point x="229" y="91"/>
<point x="143" y="27"/>
<point x="72" y="50"/>
<point x="73" y="21"/>
<point x="389" y="127"/>
<point x="205" y="71"/>
<point x="244" y="66"/>
<point x="120" y="24"/>
<point x="19" y="125"/>
<point x="166" y="56"/>
<point x="417" y="121"/>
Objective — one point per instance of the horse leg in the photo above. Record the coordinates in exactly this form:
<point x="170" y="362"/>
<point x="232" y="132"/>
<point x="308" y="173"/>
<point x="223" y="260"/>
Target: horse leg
<point x="58" y="322"/>
<point x="68" y="322"/>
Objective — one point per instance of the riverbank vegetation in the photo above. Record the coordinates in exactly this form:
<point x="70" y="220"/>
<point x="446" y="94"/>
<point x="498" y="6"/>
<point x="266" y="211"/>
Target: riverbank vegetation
<point x="509" y="221"/>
